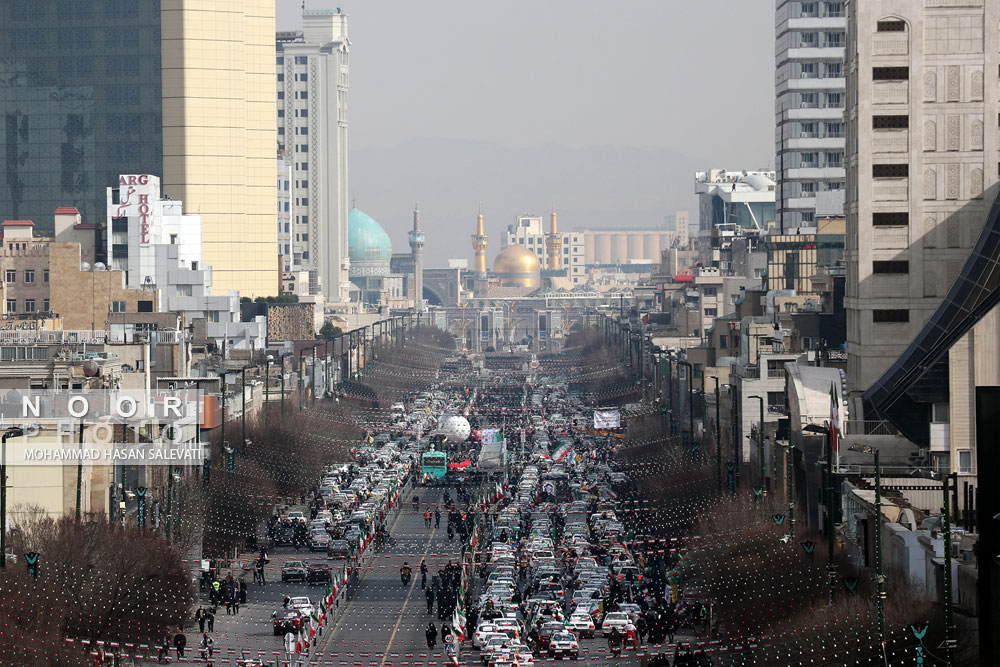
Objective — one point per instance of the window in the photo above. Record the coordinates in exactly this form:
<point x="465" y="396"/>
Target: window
<point x="834" y="70"/>
<point x="302" y="95"/>
<point x="890" y="25"/>
<point x="834" y="159"/>
<point x="45" y="275"/>
<point x="809" y="130"/>
<point x="808" y="100"/>
<point x="145" y="307"/>
<point x="281" y="94"/>
<point x="302" y="77"/>
<point x="810" y="39"/>
<point x="213" y="316"/>
<point x="809" y="9"/>
<point x="711" y="291"/>
<point x="776" y="400"/>
<point x="711" y="312"/>
<point x="890" y="122"/>
<point x="834" y="100"/>
<point x="890" y="73"/>
<point x="281" y="113"/>
<point x="893" y="219"/>
<point x="891" y="266"/>
<point x="965" y="461"/>
<point x="280" y="60"/>
<point x="835" y="9"/>
<point x="810" y="159"/>
<point x="890" y="170"/>
<point x="834" y="129"/>
<point x="303" y="148"/>
<point x="11" y="275"/>
<point x="301" y="60"/>
<point x="11" y="305"/>
<point x="46" y="307"/>
<point x="29" y="276"/>
<point x="807" y="187"/>
<point x="886" y="316"/>
<point x="118" y="307"/>
<point x="281" y="76"/>
<point x="305" y="237"/>
<point x="939" y="413"/>
<point x="281" y="130"/>
<point x="184" y="290"/>
<point x="29" y="305"/>
<point x="834" y="39"/>
<point x="809" y="70"/>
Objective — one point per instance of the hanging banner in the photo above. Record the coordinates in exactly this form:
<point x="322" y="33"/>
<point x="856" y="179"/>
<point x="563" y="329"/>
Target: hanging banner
<point x="607" y="419"/>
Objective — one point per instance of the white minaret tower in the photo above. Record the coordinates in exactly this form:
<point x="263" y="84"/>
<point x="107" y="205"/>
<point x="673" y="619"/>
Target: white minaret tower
<point x="417" y="248"/>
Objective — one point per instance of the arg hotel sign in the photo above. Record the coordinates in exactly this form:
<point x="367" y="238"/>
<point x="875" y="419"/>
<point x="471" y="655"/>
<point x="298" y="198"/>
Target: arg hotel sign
<point x="136" y="194"/>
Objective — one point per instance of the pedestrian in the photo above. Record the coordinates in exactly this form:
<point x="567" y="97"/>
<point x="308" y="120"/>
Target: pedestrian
<point x="423" y="574"/>
<point x="210" y="619"/>
<point x="431" y="635"/>
<point x="285" y="601"/>
<point x="180" y="641"/>
<point x="200" y="617"/>
<point x="216" y="586"/>
<point x="445" y="631"/>
<point x="440" y="603"/>
<point x="243" y="591"/>
<point x="164" y="654"/>
<point x="451" y="532"/>
<point x="206" y="645"/>
<point x="437" y="517"/>
<point x="429" y="594"/>
<point x="260" y="567"/>
<point x="235" y="604"/>
<point x="427" y="519"/>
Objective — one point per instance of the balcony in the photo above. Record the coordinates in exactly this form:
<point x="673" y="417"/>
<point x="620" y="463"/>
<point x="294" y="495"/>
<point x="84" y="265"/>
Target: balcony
<point x="867" y="427"/>
<point x="890" y="189"/>
<point x="891" y="238"/>
<point x="890" y="44"/>
<point x="890" y="92"/>
<point x="891" y="141"/>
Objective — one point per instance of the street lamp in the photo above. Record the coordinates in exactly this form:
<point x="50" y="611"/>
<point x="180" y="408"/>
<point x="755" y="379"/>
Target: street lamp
<point x="946" y="537"/>
<point x="267" y="379"/>
<point x="690" y="375"/>
<point x="13" y="432"/>
<point x="760" y="445"/>
<point x="718" y="432"/>
<point x="879" y="575"/>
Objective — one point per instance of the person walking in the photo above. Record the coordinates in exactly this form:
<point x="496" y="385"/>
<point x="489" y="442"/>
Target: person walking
<point x="210" y="620"/>
<point x="451" y="532"/>
<point x="206" y="645"/>
<point x="423" y="573"/>
<point x="180" y="642"/>
<point x="200" y="617"/>
<point x="427" y="519"/>
<point x="429" y="595"/>
<point x="243" y="591"/>
<point x="437" y="517"/>
<point x="431" y="635"/>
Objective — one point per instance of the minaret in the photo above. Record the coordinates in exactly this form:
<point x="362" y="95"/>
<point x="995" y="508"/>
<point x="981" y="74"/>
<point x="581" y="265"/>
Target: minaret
<point x="417" y="249"/>
<point x="479" y="242"/>
<point x="553" y="244"/>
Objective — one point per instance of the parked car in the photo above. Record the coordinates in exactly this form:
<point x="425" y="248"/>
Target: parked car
<point x="339" y="550"/>
<point x="563" y="645"/>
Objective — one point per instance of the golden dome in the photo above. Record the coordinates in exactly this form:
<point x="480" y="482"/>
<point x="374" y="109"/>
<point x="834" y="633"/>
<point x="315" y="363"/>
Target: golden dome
<point x="517" y="266"/>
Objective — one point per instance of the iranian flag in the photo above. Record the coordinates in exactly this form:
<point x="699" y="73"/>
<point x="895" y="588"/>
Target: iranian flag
<point x="458" y="623"/>
<point x="561" y="453"/>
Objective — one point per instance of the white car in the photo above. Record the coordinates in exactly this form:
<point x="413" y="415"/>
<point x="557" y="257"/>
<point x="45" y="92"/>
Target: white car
<point x="583" y="624"/>
<point x="301" y="603"/>
<point x="564" y="645"/>
<point x="296" y="516"/>
<point x="484" y="633"/>
<point x="616" y="619"/>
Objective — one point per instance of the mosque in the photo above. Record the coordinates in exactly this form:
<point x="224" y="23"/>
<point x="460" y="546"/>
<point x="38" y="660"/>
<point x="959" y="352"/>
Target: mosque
<point x="370" y="252"/>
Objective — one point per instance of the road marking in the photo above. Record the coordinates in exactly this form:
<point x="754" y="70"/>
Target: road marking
<point x="409" y="593"/>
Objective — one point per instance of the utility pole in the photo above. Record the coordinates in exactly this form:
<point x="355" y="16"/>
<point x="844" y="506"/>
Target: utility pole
<point x="760" y="446"/>
<point x="79" y="475"/>
<point x="879" y="575"/>
<point x="946" y="529"/>
<point x="9" y="433"/>
<point x="718" y="434"/>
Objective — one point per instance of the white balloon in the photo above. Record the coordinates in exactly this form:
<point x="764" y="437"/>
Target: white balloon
<point x="455" y="428"/>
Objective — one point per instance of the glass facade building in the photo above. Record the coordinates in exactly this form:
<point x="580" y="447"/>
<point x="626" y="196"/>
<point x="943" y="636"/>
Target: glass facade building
<point x="80" y="98"/>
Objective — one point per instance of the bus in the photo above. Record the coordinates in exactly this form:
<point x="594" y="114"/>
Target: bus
<point x="433" y="467"/>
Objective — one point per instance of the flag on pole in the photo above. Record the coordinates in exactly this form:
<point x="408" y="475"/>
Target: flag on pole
<point x="562" y="452"/>
<point x="834" y="418"/>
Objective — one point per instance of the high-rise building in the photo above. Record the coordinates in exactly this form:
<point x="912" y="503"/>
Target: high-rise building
<point x="313" y="80"/>
<point x="809" y="106"/>
<point x="182" y="88"/>
<point x="922" y="147"/>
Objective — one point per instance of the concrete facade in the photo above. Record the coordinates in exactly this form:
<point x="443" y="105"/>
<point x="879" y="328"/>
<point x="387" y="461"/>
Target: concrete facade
<point x="529" y="231"/>
<point x="313" y="81"/>
<point x="809" y="101"/>
<point x="922" y="151"/>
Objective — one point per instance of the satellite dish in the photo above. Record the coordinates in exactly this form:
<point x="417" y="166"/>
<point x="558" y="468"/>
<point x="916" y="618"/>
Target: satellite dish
<point x="100" y="267"/>
<point x="85" y="266"/>
<point x="91" y="368"/>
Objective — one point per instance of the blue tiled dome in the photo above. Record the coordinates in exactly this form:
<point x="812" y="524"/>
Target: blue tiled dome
<point x="366" y="240"/>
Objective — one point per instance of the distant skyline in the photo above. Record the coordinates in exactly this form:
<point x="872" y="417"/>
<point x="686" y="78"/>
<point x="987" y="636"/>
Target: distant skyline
<point x="648" y="85"/>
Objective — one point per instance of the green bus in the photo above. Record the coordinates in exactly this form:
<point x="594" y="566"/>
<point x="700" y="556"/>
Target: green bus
<point x="433" y="467"/>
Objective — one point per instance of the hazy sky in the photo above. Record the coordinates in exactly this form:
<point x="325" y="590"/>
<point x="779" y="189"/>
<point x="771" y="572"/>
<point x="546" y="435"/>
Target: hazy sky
<point x="690" y="81"/>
